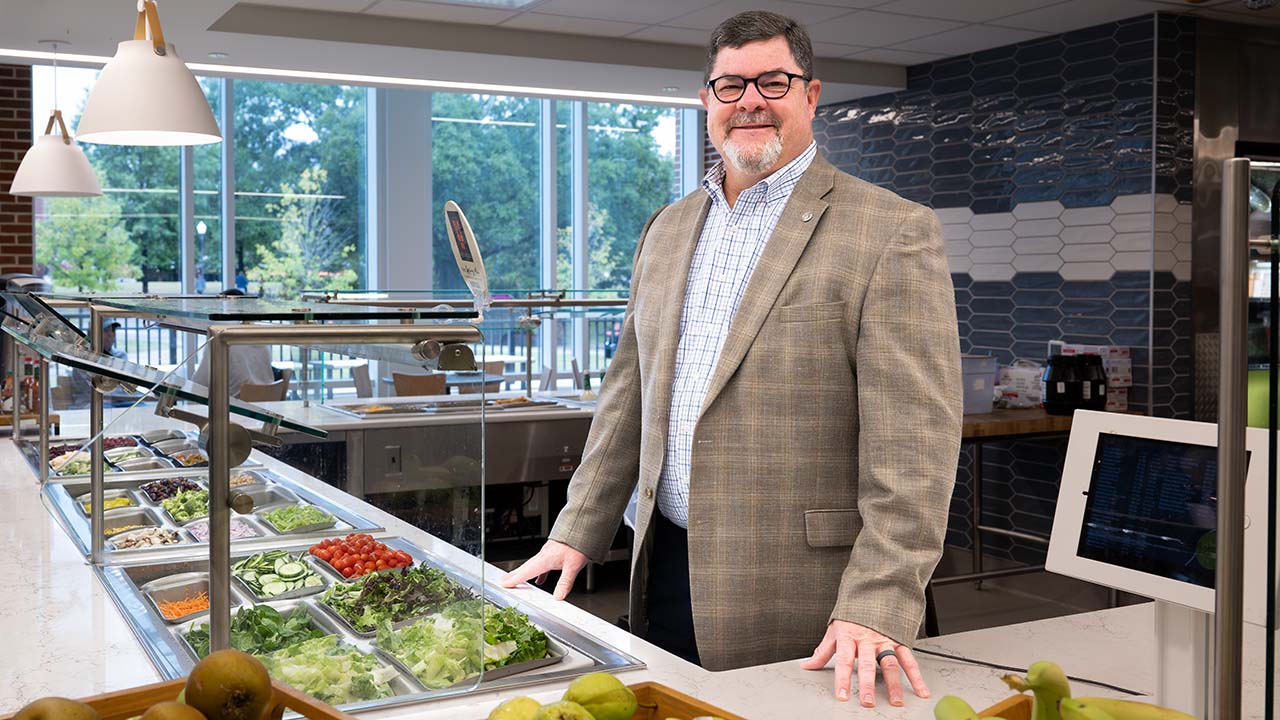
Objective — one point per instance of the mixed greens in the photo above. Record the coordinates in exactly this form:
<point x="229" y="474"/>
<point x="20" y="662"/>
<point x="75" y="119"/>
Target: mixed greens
<point x="291" y="517"/>
<point x="187" y="504"/>
<point x="445" y="648"/>
<point x="393" y="596"/>
<point x="259" y="630"/>
<point x="276" y="572"/>
<point x="331" y="672"/>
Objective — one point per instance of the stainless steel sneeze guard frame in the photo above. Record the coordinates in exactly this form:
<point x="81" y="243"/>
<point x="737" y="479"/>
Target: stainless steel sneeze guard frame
<point x="165" y="645"/>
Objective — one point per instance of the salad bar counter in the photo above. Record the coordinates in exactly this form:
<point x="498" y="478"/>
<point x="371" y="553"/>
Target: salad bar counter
<point x="150" y="509"/>
<point x="390" y="636"/>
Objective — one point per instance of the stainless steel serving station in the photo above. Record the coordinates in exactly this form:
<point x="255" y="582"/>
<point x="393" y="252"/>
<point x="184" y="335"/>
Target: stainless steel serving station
<point x="158" y="482"/>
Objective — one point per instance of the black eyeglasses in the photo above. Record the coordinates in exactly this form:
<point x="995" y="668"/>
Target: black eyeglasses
<point x="771" y="85"/>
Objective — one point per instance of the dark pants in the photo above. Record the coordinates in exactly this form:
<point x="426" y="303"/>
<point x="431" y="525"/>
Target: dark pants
<point x="670" y="610"/>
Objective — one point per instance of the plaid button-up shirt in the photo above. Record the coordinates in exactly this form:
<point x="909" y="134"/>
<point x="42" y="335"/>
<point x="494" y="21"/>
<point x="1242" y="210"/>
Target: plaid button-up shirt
<point x="731" y="243"/>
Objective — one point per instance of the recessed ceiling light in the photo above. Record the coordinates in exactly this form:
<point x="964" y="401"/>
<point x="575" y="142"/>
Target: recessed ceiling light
<point x="218" y="55"/>
<point x="671" y="88"/>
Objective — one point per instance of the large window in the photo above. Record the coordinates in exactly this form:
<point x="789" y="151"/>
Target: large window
<point x="485" y="157"/>
<point x="126" y="240"/>
<point x="207" y="199"/>
<point x="631" y="172"/>
<point x="300" y="186"/>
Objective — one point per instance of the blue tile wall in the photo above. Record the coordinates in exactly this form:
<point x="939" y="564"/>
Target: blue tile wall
<point x="1069" y="118"/>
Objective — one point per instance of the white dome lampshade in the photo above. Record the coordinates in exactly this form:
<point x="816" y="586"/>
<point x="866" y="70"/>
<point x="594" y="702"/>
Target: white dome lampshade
<point x="146" y="95"/>
<point x="55" y="167"/>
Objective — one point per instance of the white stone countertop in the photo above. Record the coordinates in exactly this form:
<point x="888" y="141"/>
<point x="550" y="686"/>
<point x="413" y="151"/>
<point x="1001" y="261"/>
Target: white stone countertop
<point x="62" y="635"/>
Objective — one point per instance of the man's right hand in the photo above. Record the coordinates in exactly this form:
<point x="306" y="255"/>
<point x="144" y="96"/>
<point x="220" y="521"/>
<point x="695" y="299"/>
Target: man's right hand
<point x="553" y="556"/>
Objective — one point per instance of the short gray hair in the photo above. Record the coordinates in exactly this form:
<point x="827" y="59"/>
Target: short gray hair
<point x="756" y="25"/>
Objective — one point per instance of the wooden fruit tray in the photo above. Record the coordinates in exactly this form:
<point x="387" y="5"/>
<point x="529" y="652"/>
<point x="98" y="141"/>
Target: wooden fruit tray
<point x="658" y="702"/>
<point x="1017" y="707"/>
<point x="124" y="704"/>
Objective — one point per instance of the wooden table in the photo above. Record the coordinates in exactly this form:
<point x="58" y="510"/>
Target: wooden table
<point x="1001" y="426"/>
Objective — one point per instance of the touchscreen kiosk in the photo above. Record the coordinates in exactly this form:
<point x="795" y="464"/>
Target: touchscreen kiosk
<point x="1137" y="511"/>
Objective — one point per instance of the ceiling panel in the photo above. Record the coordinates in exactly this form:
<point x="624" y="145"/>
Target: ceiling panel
<point x="968" y="39"/>
<point x="964" y="10"/>
<point x="649" y="12"/>
<point x="1078" y="14"/>
<point x="876" y="29"/>
<point x="443" y="13"/>
<point x="835" y="50"/>
<point x="332" y="5"/>
<point x="709" y="17"/>
<point x="894" y="57"/>
<point x="572" y="25"/>
<point x="679" y="36"/>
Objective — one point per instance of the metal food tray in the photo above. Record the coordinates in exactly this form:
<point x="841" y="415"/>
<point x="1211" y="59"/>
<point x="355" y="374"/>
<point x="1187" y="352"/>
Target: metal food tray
<point x="184" y="538"/>
<point x="555" y="654"/>
<point x="260" y="514"/>
<point x="189" y="520"/>
<point x="305" y="558"/>
<point x="573" y="653"/>
<point x="134" y="500"/>
<point x="120" y="517"/>
<point x="63" y="491"/>
<point x="176" y="587"/>
<point x="114" y="454"/>
<point x="145" y="463"/>
<point x="151" y="437"/>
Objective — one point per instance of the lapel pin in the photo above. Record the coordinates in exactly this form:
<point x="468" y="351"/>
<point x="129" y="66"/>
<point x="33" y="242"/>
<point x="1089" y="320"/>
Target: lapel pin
<point x="806" y="217"/>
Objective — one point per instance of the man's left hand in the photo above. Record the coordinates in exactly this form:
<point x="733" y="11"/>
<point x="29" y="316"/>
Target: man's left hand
<point x="850" y="642"/>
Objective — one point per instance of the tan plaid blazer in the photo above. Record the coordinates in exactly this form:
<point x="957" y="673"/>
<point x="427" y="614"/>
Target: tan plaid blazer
<point x="825" y="456"/>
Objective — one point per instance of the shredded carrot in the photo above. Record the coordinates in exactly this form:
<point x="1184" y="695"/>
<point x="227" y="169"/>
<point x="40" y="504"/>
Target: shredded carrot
<point x="178" y="608"/>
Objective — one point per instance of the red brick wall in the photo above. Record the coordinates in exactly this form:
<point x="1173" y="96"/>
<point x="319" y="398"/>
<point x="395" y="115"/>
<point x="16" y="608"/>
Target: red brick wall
<point x="15" y="138"/>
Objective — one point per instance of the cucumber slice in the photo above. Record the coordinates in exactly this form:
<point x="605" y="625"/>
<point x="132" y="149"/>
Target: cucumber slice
<point x="248" y="576"/>
<point x="313" y="580"/>
<point x="290" y="570"/>
<point x="274" y="588"/>
<point x="267" y="579"/>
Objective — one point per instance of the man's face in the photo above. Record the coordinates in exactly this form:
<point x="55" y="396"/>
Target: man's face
<point x="109" y="337"/>
<point x="754" y="134"/>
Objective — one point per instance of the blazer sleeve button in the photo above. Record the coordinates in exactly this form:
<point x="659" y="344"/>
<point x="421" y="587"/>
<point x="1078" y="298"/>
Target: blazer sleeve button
<point x="648" y="493"/>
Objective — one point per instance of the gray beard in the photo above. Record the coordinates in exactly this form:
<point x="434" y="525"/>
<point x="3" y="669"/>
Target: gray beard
<point x="758" y="163"/>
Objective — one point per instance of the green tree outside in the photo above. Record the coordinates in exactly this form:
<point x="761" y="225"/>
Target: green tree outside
<point x="311" y="252"/>
<point x="83" y="244"/>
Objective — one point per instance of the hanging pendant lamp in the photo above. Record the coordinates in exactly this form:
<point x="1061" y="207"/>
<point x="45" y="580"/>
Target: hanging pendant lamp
<point x="55" y="166"/>
<point x="146" y="95"/>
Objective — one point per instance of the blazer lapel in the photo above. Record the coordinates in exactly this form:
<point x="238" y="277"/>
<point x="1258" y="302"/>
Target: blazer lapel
<point x="781" y="253"/>
<point x="683" y="239"/>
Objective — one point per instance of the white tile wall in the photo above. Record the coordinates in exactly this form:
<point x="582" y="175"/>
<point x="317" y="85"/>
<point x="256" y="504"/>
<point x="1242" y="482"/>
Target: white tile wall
<point x="1135" y="232"/>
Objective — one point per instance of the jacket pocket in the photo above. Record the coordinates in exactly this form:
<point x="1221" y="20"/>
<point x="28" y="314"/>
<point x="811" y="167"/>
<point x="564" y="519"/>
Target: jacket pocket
<point x="811" y="313"/>
<point x="836" y="527"/>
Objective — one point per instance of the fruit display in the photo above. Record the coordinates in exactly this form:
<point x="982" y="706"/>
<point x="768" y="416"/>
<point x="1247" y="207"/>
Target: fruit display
<point x="358" y="553"/>
<point x="451" y="646"/>
<point x="166" y="488"/>
<point x="1052" y="692"/>
<point x="331" y="671"/>
<point x="229" y="685"/>
<point x="393" y="596"/>
<point x="147" y="537"/>
<point x="239" y="530"/>
<point x="187" y="505"/>
<point x="276" y="572"/>
<point x="594" y="696"/>
<point x="259" y="630"/>
<point x="56" y="707"/>
<point x="292" y="518"/>
<point x="110" y="503"/>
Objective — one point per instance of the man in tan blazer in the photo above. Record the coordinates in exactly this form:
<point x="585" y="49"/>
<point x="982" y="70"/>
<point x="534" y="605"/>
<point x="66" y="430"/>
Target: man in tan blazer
<point x="785" y="395"/>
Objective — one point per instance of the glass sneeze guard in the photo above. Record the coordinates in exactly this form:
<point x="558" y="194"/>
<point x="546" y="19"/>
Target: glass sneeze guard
<point x="154" y="381"/>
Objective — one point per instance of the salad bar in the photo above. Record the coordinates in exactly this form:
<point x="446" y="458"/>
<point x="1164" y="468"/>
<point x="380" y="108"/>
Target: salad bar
<point x="154" y="509"/>
<point x="386" y="636"/>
